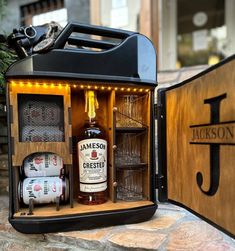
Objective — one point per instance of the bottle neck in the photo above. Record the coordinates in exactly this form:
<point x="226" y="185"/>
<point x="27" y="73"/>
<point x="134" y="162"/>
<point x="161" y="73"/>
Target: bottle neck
<point x="92" y="121"/>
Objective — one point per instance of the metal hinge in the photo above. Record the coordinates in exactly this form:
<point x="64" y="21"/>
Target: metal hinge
<point x="158" y="180"/>
<point x="158" y="111"/>
<point x="155" y="111"/>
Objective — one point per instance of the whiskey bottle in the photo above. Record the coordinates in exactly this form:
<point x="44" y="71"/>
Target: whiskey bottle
<point x="92" y="157"/>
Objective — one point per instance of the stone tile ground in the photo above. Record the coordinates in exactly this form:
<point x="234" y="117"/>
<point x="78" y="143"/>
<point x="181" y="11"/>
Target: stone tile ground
<point x="171" y="228"/>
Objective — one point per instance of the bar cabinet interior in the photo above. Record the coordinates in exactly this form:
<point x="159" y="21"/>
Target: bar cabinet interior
<point x="73" y="113"/>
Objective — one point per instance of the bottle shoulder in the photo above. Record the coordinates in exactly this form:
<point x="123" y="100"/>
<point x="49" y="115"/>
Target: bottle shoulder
<point x="92" y="131"/>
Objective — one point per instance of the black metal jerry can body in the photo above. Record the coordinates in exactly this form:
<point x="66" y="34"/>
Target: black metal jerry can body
<point x="45" y="101"/>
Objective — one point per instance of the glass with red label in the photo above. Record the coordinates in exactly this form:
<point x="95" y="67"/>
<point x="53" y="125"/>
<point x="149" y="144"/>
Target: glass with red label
<point x="43" y="190"/>
<point x="43" y="164"/>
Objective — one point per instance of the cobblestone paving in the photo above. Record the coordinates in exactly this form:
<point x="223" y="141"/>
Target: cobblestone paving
<point x="171" y="228"/>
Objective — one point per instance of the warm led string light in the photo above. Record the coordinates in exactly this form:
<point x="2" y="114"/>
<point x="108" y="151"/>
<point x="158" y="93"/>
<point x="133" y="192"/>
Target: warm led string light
<point x="60" y="86"/>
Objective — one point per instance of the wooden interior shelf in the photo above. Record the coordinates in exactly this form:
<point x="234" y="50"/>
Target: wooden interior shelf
<point x="138" y="166"/>
<point x="130" y="129"/>
<point x="27" y="98"/>
<point x="50" y="211"/>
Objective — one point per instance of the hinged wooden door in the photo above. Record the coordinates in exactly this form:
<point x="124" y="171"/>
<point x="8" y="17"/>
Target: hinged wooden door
<point x="196" y="135"/>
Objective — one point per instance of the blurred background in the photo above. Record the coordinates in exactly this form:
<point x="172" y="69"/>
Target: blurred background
<point x="189" y="36"/>
<point x="185" y="33"/>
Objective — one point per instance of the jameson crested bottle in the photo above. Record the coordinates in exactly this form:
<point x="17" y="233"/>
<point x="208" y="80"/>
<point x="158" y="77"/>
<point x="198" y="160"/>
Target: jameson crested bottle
<point x="92" y="157"/>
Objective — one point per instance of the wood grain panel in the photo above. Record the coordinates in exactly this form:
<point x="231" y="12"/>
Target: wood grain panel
<point x="23" y="149"/>
<point x="111" y="171"/>
<point x="104" y="117"/>
<point x="146" y="146"/>
<point x="50" y="210"/>
<point x="186" y="106"/>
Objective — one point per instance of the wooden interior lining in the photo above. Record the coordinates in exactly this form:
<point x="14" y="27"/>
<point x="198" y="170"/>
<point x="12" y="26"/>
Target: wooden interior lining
<point x="104" y="117"/>
<point x="23" y="149"/>
<point x="186" y="107"/>
<point x="16" y="179"/>
<point x="147" y="154"/>
<point x="111" y="171"/>
<point x="144" y="138"/>
<point x="76" y="101"/>
<point x="50" y="210"/>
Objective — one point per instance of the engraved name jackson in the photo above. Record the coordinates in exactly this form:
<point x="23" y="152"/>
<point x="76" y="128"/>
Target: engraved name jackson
<point x="214" y="134"/>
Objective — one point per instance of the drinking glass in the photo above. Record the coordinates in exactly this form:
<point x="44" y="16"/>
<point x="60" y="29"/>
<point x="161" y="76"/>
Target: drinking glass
<point x="130" y="185"/>
<point x="129" y="112"/>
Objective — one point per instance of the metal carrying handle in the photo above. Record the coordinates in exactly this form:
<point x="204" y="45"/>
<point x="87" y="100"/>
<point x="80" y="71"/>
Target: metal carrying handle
<point x="64" y="36"/>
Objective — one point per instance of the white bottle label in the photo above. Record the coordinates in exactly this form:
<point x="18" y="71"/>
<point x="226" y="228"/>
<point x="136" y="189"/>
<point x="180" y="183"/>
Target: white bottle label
<point x="46" y="164"/>
<point x="92" y="165"/>
<point x="42" y="190"/>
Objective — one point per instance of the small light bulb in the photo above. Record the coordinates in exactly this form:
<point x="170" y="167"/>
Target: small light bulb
<point x="122" y="89"/>
<point x="128" y="89"/>
<point x="13" y="83"/>
<point x="29" y="84"/>
<point x="37" y="85"/>
<point x="74" y="86"/>
<point x="60" y="86"/>
<point x="146" y="90"/>
<point x="141" y="90"/>
<point x="135" y="90"/>
<point x="45" y="86"/>
<point x="52" y="86"/>
<point x="102" y="87"/>
<point x="109" y="88"/>
<point x="115" y="88"/>
<point x="21" y="84"/>
<point x="82" y="86"/>
<point x="89" y="87"/>
<point x="96" y="87"/>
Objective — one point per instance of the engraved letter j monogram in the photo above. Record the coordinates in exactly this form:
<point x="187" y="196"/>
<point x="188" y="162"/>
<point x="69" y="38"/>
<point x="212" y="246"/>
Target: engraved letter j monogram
<point x="214" y="149"/>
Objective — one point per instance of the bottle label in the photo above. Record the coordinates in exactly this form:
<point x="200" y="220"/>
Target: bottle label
<point x="42" y="190"/>
<point x="92" y="165"/>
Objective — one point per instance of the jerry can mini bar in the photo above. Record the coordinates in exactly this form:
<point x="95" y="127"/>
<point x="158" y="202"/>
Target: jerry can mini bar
<point x="48" y="94"/>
